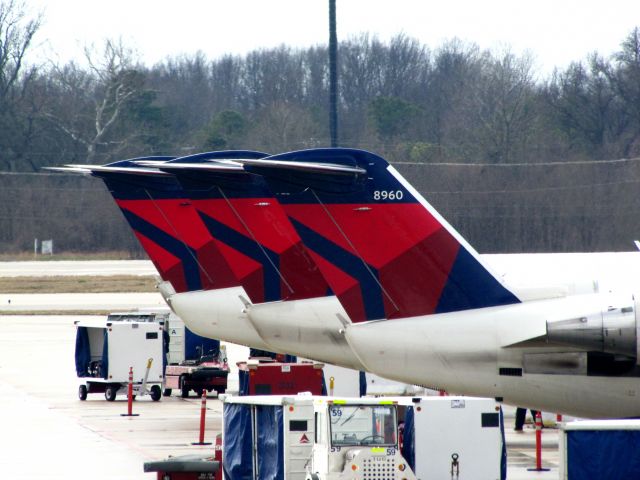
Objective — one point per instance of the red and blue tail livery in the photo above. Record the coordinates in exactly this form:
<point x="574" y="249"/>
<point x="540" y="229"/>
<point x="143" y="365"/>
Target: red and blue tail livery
<point x="242" y="215"/>
<point x="164" y="221"/>
<point x="384" y="251"/>
<point x="167" y="227"/>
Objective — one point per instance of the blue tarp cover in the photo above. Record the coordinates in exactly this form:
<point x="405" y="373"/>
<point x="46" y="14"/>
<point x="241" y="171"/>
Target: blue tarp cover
<point x="209" y="346"/>
<point x="270" y="448"/>
<point x="83" y="353"/>
<point x="503" y="460"/>
<point x="243" y="380"/>
<point x="363" y="384"/>
<point x="237" y="460"/>
<point x="409" y="439"/>
<point x="610" y="454"/>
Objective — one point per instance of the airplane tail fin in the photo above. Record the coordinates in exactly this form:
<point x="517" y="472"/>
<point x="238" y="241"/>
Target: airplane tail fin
<point x="385" y="252"/>
<point x="253" y="230"/>
<point x="164" y="222"/>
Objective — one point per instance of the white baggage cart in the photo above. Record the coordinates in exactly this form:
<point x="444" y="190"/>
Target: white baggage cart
<point x="106" y="350"/>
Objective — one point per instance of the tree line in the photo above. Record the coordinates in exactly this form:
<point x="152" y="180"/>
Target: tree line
<point x="515" y="161"/>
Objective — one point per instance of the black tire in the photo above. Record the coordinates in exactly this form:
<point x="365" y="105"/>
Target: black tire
<point x="82" y="392"/>
<point x="167" y="392"/>
<point x="184" y="392"/>
<point x="156" y="393"/>
<point x="110" y="392"/>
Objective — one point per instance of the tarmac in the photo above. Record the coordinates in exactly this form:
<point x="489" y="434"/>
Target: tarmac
<point x="49" y="433"/>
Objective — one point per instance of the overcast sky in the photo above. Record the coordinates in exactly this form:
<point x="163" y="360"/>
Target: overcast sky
<point x="555" y="31"/>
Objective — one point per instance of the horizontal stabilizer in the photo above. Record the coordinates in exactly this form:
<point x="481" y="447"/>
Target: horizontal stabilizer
<point x="209" y="166"/>
<point x="115" y="169"/>
<point x="315" y="167"/>
<point x="69" y="169"/>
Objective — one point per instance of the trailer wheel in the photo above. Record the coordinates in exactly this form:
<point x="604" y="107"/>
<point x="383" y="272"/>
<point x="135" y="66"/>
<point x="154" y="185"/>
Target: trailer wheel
<point x="110" y="392"/>
<point x="82" y="392"/>
<point x="156" y="393"/>
<point x="184" y="392"/>
<point x="167" y="392"/>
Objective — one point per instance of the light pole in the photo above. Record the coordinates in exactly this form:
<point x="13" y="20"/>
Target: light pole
<point x="333" y="75"/>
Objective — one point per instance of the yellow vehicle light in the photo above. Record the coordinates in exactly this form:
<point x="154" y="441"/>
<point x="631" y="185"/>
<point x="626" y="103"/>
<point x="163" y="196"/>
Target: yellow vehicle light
<point x="377" y="450"/>
<point x="401" y="467"/>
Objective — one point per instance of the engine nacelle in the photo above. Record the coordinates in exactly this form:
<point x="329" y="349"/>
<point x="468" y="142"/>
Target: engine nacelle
<point x="614" y="329"/>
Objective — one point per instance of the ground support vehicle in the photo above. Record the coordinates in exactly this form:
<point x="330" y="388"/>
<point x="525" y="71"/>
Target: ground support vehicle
<point x="305" y="437"/>
<point x="194" y="363"/>
<point x="206" y="374"/>
<point x="263" y="376"/>
<point x="453" y="437"/>
<point x="107" y="350"/>
<point x="309" y="437"/>
<point x="186" y="467"/>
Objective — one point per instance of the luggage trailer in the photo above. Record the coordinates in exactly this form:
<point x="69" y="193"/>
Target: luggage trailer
<point x="106" y="350"/>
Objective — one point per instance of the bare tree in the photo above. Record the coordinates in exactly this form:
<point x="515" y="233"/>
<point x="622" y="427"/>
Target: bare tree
<point x="16" y="37"/>
<point x="97" y="99"/>
<point x="502" y="107"/>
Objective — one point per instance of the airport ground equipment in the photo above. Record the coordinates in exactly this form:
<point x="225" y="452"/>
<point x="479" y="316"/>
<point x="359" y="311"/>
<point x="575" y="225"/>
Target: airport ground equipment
<point x="186" y="467"/>
<point x="194" y="363"/>
<point x="309" y="437"/>
<point x="599" y="449"/>
<point x="107" y="349"/>
<point x="306" y="437"/>
<point x="453" y="437"/>
<point x="266" y="377"/>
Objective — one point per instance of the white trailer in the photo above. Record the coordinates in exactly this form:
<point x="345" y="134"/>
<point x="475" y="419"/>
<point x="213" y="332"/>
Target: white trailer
<point x="453" y="437"/>
<point x="107" y="349"/>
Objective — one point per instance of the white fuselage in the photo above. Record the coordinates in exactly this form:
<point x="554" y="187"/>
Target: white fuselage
<point x="307" y="328"/>
<point x="463" y="352"/>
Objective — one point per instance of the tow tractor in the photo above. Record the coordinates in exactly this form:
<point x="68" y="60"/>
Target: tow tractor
<point x="195" y="363"/>
<point x="358" y="441"/>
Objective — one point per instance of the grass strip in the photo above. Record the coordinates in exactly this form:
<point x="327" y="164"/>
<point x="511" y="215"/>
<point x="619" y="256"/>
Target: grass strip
<point x="78" y="284"/>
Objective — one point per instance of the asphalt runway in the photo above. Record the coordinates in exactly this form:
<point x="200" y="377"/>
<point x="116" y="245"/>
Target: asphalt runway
<point x="74" y="268"/>
<point x="79" y="302"/>
<point x="47" y="432"/>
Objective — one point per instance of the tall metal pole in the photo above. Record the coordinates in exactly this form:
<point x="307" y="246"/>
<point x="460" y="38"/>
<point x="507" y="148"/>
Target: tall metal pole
<point x="333" y="75"/>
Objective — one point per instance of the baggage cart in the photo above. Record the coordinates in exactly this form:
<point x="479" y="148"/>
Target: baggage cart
<point x="107" y="350"/>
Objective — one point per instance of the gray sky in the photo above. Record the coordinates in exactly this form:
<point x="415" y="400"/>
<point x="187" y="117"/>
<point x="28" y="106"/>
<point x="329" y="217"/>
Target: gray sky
<point x="555" y="31"/>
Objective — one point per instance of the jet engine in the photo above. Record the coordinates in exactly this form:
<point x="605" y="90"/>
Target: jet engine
<point x="613" y="330"/>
